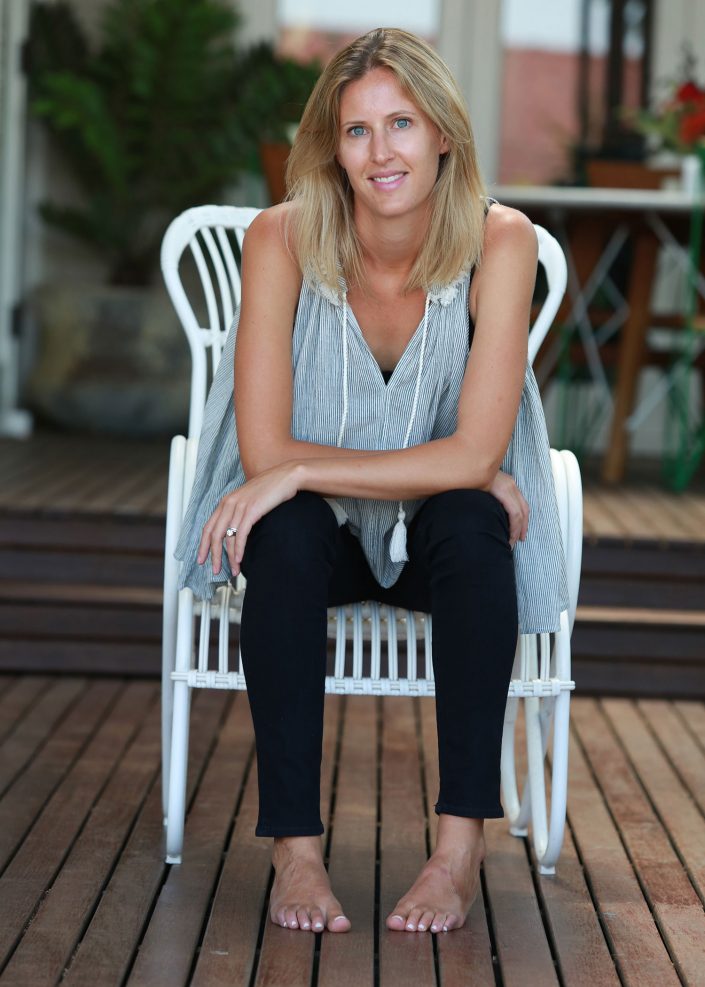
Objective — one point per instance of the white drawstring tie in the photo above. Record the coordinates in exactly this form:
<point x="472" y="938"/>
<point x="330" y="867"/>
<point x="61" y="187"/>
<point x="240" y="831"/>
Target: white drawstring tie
<point x="397" y="545"/>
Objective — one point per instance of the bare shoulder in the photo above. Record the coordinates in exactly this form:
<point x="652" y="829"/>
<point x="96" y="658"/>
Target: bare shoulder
<point x="509" y="257"/>
<point x="269" y="240"/>
<point x="508" y="229"/>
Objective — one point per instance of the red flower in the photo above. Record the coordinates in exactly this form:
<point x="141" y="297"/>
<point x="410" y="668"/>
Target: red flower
<point x="692" y="125"/>
<point x="690" y="92"/>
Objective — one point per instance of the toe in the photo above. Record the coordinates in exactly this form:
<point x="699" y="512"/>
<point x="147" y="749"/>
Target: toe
<point x="425" y="921"/>
<point x="338" y="923"/>
<point x="412" y="919"/>
<point x="290" y="917"/>
<point x="303" y="918"/>
<point x="439" y="921"/>
<point x="454" y="922"/>
<point x="396" y="921"/>
<point x="277" y="915"/>
<point x="318" y="922"/>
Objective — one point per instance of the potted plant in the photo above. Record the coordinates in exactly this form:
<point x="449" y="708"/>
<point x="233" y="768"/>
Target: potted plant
<point x="677" y="124"/>
<point x="273" y="92"/>
<point x="146" y="124"/>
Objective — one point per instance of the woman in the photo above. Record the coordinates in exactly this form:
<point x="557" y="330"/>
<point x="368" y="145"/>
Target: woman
<point x="366" y="459"/>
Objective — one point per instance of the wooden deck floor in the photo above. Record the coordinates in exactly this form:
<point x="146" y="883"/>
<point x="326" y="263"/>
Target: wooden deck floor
<point x="85" y="897"/>
<point x="89" y="475"/>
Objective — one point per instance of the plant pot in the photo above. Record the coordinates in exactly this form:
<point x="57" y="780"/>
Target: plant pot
<point x="274" y="157"/>
<point x="109" y="359"/>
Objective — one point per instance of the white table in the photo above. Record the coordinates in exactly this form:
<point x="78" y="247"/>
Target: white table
<point x="620" y="211"/>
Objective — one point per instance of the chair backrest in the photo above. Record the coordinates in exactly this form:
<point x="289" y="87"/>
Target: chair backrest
<point x="214" y="235"/>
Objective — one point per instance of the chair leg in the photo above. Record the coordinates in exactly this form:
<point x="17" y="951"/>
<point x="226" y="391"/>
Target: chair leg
<point x="559" y="785"/>
<point x="177" y="775"/>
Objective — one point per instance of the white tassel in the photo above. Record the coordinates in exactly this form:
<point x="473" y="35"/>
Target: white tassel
<point x="397" y="546"/>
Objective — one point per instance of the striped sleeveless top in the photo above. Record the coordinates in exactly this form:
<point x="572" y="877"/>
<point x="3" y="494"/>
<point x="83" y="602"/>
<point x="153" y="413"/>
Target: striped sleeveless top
<point x="340" y="398"/>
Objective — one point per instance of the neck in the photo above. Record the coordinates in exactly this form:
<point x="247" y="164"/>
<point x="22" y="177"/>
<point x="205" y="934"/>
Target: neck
<point x="391" y="245"/>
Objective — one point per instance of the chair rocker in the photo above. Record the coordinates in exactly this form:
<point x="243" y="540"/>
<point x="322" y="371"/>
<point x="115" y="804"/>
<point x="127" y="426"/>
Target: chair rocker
<point x="378" y="650"/>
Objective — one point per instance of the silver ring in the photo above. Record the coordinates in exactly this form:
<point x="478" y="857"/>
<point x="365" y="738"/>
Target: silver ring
<point x="231" y="532"/>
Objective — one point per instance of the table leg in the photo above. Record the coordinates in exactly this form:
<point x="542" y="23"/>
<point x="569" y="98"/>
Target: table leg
<point x="631" y="352"/>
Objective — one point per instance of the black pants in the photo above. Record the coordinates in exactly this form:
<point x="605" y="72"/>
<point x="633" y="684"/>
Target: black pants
<point x="298" y="562"/>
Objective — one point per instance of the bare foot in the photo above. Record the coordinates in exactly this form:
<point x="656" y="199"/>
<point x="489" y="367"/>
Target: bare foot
<point x="301" y="896"/>
<point x="441" y="897"/>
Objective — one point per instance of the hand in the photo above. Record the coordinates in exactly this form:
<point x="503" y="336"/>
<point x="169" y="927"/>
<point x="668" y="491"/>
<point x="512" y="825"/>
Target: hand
<point x="508" y="494"/>
<point x="241" y="509"/>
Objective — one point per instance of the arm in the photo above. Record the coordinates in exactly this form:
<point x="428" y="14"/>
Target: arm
<point x="489" y="400"/>
<point x="279" y="466"/>
<point x="263" y="380"/>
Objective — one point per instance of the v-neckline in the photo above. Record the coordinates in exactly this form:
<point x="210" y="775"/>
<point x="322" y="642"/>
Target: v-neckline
<point x="372" y="357"/>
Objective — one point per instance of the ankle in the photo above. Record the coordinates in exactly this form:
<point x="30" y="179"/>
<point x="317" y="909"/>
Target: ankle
<point x="458" y="835"/>
<point x="299" y="847"/>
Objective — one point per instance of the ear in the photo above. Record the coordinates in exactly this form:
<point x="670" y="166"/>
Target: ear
<point x="443" y="146"/>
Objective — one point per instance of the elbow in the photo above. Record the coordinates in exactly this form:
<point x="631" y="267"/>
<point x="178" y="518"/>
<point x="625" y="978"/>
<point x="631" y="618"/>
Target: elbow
<point x="480" y="469"/>
<point x="260" y="457"/>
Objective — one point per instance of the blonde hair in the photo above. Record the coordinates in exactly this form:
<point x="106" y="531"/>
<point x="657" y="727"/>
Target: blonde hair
<point x="325" y="237"/>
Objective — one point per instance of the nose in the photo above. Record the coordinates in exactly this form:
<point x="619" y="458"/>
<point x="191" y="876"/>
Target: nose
<point x="380" y="148"/>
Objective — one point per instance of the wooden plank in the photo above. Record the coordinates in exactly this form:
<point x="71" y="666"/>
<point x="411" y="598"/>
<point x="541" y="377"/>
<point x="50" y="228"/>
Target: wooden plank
<point x="56" y="926"/>
<point x="82" y="657"/>
<point x="686" y="524"/>
<point x="169" y="946"/>
<point x="522" y="947"/>
<point x="638" y="515"/>
<point x="580" y="947"/>
<point x="82" y="594"/>
<point x="41" y="620"/>
<point x="680" y="746"/>
<point x="635" y="943"/>
<point x="669" y="796"/>
<point x="693" y="714"/>
<point x="107" y="950"/>
<point x="24" y="800"/>
<point x="602" y="517"/>
<point x="145" y="537"/>
<point x="404" y="957"/>
<point x="96" y="566"/>
<point x="17" y="694"/>
<point x="628" y="677"/>
<point x="348" y="960"/>
<point x="676" y="907"/>
<point x="227" y="954"/>
<point x="32" y="731"/>
<point x="44" y="487"/>
<point x="641" y="616"/>
<point x="287" y="955"/>
<point x="470" y="947"/>
<point x="34" y="866"/>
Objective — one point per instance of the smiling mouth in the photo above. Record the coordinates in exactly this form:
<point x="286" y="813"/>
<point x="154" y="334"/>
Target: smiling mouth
<point x="388" y="179"/>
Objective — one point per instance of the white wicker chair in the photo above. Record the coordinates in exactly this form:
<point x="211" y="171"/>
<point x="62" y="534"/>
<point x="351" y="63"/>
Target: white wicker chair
<point x="541" y="675"/>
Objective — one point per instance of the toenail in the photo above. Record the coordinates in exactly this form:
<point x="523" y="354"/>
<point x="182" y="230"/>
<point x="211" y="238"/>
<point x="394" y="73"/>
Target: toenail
<point x="422" y="927"/>
<point x="306" y="925"/>
<point x="445" y="928"/>
<point x="434" y="928"/>
<point x="399" y="917"/>
<point x="318" y="925"/>
<point x="410" y="927"/>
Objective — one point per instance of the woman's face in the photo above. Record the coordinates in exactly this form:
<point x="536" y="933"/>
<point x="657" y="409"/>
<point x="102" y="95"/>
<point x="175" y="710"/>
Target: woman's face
<point x="388" y="147"/>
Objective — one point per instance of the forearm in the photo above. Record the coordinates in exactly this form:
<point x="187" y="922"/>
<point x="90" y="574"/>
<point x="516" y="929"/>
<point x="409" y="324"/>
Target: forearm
<point x="404" y="474"/>
<point x="296" y="450"/>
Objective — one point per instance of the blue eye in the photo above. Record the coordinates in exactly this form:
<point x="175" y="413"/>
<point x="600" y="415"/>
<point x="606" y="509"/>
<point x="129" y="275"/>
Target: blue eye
<point x="403" y="123"/>
<point x="357" y="131"/>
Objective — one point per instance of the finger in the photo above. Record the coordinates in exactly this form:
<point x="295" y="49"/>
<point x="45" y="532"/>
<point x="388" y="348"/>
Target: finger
<point x="514" y="526"/>
<point x="227" y="541"/>
<point x="239" y="543"/>
<point x="204" y="546"/>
